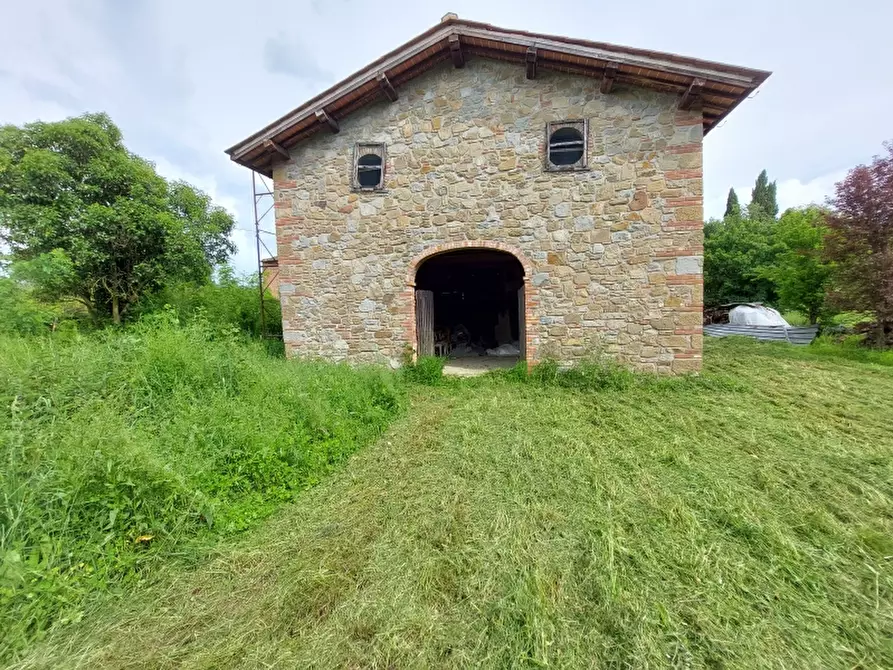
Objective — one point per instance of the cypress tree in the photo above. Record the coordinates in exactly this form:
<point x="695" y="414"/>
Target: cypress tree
<point x="763" y="197"/>
<point x="733" y="207"/>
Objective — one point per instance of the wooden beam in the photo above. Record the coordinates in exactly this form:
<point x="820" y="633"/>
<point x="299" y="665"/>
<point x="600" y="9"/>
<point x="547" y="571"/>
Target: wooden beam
<point x="608" y="78"/>
<point x="692" y="95"/>
<point x="278" y="148"/>
<point x="531" y="62"/>
<point x="387" y="87"/>
<point x="322" y="117"/>
<point x="456" y="51"/>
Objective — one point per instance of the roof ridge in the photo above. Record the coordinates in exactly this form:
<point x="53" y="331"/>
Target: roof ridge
<point x="720" y="86"/>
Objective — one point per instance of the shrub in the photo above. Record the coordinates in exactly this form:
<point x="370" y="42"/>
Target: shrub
<point x="22" y="312"/>
<point x="427" y="370"/>
<point x="229" y="302"/>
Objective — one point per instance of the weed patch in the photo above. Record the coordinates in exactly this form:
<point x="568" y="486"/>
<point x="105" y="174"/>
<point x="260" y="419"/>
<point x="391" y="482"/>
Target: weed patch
<point x="427" y="370"/>
<point x="123" y="449"/>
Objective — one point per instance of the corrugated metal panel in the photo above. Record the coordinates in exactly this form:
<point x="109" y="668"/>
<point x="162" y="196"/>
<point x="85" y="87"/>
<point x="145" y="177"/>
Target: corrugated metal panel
<point x="793" y="335"/>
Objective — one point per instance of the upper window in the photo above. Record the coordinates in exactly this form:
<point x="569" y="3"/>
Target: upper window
<point x="369" y="160"/>
<point x="566" y="145"/>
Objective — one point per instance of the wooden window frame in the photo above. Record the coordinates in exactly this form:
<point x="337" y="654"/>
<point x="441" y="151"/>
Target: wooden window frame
<point x="362" y="149"/>
<point x="582" y="125"/>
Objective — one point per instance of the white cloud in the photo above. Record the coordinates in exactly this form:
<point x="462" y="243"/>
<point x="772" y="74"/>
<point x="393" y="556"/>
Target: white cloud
<point x="794" y="193"/>
<point x="184" y="81"/>
<point x="287" y="55"/>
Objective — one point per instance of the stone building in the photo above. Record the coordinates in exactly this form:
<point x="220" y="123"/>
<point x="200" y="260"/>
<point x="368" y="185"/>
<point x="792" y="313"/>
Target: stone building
<point x="480" y="187"/>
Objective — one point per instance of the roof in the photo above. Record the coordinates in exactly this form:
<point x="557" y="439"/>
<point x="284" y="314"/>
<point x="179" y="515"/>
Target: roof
<point x="717" y="87"/>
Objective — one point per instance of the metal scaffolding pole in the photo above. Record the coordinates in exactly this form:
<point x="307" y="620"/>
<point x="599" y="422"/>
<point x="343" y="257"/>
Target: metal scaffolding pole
<point x="259" y="197"/>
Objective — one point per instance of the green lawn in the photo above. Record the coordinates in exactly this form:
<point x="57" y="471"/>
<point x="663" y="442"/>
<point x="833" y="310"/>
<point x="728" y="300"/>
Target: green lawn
<point x="743" y="520"/>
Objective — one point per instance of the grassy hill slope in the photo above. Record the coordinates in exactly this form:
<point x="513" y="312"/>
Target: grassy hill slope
<point x="124" y="451"/>
<point x="741" y="520"/>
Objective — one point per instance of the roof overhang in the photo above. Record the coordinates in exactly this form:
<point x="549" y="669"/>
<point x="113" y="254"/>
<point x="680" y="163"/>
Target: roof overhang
<point x="718" y="88"/>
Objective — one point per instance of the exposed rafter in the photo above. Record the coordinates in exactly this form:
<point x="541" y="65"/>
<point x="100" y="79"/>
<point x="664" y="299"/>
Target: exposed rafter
<point x="278" y="148"/>
<point x="693" y="94"/>
<point x="531" y="62"/>
<point x="724" y="86"/>
<point x="456" y="51"/>
<point x="322" y="117"/>
<point x="386" y="86"/>
<point x="608" y="78"/>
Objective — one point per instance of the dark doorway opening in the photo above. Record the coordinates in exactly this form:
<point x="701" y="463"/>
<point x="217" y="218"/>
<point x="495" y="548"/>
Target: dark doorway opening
<point x="470" y="303"/>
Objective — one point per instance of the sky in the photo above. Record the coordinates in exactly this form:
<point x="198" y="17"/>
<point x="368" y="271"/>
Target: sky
<point x="186" y="79"/>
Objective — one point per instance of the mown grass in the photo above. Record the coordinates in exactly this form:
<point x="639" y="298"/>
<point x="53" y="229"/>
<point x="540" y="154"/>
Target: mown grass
<point x="127" y="450"/>
<point x="742" y="519"/>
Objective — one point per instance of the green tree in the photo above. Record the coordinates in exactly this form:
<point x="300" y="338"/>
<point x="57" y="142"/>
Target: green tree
<point x="734" y="251"/>
<point x="861" y="243"/>
<point x="799" y="272"/>
<point x="73" y="190"/>
<point x="763" y="198"/>
<point x="733" y="207"/>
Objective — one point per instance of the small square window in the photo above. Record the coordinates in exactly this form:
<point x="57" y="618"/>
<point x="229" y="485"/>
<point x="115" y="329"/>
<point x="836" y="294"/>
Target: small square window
<point x="368" y="167"/>
<point x="566" y="145"/>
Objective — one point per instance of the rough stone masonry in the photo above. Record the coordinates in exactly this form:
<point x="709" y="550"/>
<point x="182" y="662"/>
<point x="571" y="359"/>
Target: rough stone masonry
<point x="612" y="255"/>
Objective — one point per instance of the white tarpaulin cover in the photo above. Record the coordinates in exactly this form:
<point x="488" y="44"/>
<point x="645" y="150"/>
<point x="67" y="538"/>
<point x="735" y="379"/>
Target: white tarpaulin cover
<point x="756" y="315"/>
<point x="505" y="350"/>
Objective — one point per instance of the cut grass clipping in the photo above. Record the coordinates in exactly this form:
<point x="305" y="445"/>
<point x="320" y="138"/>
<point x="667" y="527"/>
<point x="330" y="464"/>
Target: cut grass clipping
<point x="119" y="448"/>
<point x="742" y="519"/>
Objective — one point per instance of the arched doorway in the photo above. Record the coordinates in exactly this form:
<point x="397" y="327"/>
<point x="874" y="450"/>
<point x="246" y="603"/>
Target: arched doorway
<point x="470" y="306"/>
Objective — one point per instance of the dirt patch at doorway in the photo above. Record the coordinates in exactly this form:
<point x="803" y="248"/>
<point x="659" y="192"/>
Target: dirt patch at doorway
<point x="471" y="366"/>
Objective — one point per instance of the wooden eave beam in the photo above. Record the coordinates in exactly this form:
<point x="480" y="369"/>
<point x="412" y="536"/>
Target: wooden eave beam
<point x="385" y="84"/>
<point x="692" y="94"/>
<point x="653" y="60"/>
<point x="278" y="148"/>
<point x="608" y="78"/>
<point x="323" y="117"/>
<point x="456" y="51"/>
<point x="460" y="37"/>
<point x="531" y="62"/>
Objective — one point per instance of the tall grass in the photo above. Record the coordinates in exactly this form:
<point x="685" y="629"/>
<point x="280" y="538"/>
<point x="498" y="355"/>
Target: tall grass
<point x="565" y="521"/>
<point x="126" y="447"/>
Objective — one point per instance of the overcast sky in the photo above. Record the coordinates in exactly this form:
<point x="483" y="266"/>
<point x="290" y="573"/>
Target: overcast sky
<point x="185" y="79"/>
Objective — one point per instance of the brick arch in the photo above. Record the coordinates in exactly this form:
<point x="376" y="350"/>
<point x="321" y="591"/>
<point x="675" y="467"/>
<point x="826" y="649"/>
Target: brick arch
<point x="531" y="293"/>
<point x="446" y="247"/>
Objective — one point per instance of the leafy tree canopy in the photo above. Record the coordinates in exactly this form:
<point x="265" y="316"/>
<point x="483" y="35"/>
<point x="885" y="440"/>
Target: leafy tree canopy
<point x="110" y="228"/>
<point x="734" y="251"/>
<point x="800" y="272"/>
<point x="861" y="242"/>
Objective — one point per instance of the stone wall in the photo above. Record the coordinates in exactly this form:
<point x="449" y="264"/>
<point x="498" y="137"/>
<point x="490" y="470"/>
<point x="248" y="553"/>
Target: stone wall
<point x="614" y="253"/>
